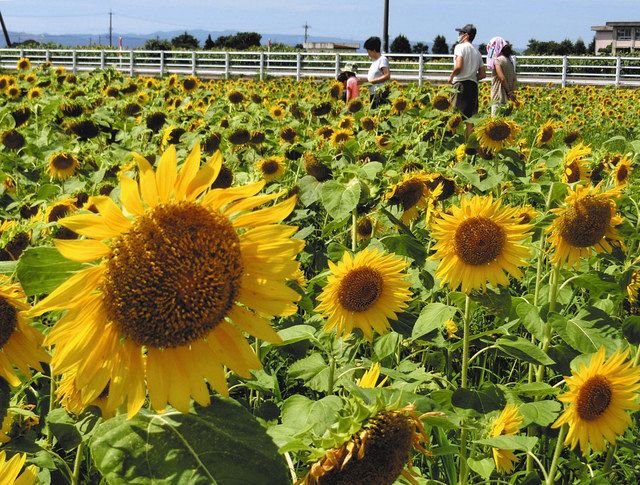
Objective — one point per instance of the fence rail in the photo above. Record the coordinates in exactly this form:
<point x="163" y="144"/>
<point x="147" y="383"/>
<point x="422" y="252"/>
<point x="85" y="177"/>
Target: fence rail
<point x="563" y="70"/>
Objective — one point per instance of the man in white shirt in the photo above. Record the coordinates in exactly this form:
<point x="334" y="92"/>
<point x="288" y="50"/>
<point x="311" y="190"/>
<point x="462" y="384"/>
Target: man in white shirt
<point x="468" y="69"/>
<point x="379" y="72"/>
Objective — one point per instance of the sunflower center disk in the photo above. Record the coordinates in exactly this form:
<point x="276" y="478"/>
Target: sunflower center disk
<point x="270" y="167"/>
<point x="8" y="321"/>
<point x="594" y="398"/>
<point x="360" y="289"/>
<point x="409" y="193"/>
<point x="479" y="240"/>
<point x="62" y="162"/>
<point x="174" y="276"/>
<point x="586" y="222"/>
<point x="499" y="132"/>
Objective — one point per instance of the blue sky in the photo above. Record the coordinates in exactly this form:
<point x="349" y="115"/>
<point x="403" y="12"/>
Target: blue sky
<point x="516" y="20"/>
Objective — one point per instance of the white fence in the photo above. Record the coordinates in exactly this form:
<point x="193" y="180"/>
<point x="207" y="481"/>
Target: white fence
<point x="564" y="70"/>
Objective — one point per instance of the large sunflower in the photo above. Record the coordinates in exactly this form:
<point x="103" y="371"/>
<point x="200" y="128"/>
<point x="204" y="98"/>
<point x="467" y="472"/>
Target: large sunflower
<point x="575" y="168"/>
<point x="479" y="243"/>
<point x="598" y="399"/>
<point x="20" y="344"/>
<point x="10" y="470"/>
<point x="495" y="134"/>
<point x="508" y="422"/>
<point x="181" y="274"/>
<point x="364" y="291"/>
<point x="586" y="223"/>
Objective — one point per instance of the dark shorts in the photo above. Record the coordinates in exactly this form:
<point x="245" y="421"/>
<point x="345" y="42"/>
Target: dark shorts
<point x="466" y="98"/>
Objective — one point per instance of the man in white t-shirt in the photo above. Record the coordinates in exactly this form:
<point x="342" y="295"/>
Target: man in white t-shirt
<point x="468" y="69"/>
<point x="379" y="72"/>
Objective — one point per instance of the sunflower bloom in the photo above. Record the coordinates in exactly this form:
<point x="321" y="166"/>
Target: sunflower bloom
<point x="62" y="165"/>
<point x="508" y="422"/>
<point x="20" y="344"/>
<point x="586" y="223"/>
<point x="598" y="399"/>
<point x="479" y="243"/>
<point x="271" y="168"/>
<point x="575" y="164"/>
<point x="369" y="379"/>
<point x="180" y="273"/>
<point x="545" y="133"/>
<point x="633" y="288"/>
<point x="622" y="171"/>
<point x="411" y="193"/>
<point x="364" y="291"/>
<point x="495" y="134"/>
<point x="10" y="470"/>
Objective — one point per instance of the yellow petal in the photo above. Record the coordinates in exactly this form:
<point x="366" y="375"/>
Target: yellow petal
<point x="205" y="176"/>
<point x="130" y="196"/>
<point x="166" y="174"/>
<point x="188" y="172"/>
<point x="81" y="250"/>
<point x="255" y="325"/>
<point x="113" y="216"/>
<point x="148" y="187"/>
<point x="266" y="216"/>
<point x="89" y="225"/>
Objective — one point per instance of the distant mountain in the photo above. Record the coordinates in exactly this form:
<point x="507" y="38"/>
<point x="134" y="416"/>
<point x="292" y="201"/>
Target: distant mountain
<point x="137" y="40"/>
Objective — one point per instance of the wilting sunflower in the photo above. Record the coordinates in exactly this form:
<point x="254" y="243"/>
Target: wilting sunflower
<point x="369" y="379"/>
<point x="598" y="399"/>
<point x="335" y="91"/>
<point x="20" y="344"/>
<point x="10" y="470"/>
<point x="60" y="209"/>
<point x="364" y="291"/>
<point x="325" y="132"/>
<point x="507" y="423"/>
<point x="383" y="141"/>
<point x="365" y="227"/>
<point x="339" y="137"/>
<point x="571" y="137"/>
<point x="240" y="136"/>
<point x="586" y="223"/>
<point x="411" y="193"/>
<point x="375" y="453"/>
<point x="495" y="134"/>
<point x="622" y="171"/>
<point x="545" y="133"/>
<point x="62" y="165"/>
<point x="12" y="140"/>
<point x="271" y="168"/>
<point x="354" y="106"/>
<point x="235" y="97"/>
<point x="23" y="64"/>
<point x="181" y="274"/>
<point x="440" y="102"/>
<point x="400" y="105"/>
<point x="479" y="243"/>
<point x="575" y="164"/>
<point x="316" y="168"/>
<point x="288" y="134"/>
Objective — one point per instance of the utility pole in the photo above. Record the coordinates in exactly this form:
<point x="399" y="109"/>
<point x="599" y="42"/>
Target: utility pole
<point x="6" y="32"/>
<point x="306" y="28"/>
<point x="385" y="29"/>
<point x="110" y="29"/>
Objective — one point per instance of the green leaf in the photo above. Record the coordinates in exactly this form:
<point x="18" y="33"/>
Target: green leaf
<point x="542" y="413"/>
<point x="536" y="389"/>
<point x="589" y="330"/>
<point x="432" y="317"/>
<point x="8" y="267"/>
<point x="307" y="368"/>
<point x="63" y="428"/>
<point x="522" y="349"/>
<point x="483" y="467"/>
<point x="370" y="170"/>
<point x="507" y="442"/>
<point x="299" y="412"/>
<point x="597" y="283"/>
<point x="631" y="329"/>
<point x="386" y="345"/>
<point x="497" y="303"/>
<point x="42" y="269"/>
<point x="488" y="398"/>
<point x="221" y="443"/>
<point x="338" y="199"/>
<point x="406" y="245"/>
<point x="309" y="190"/>
<point x="296" y="333"/>
<point x="530" y="318"/>
<point x="467" y="171"/>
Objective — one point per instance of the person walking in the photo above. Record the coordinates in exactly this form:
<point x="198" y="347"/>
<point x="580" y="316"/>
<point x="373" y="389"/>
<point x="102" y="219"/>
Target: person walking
<point x="379" y="72"/>
<point x="468" y="69"/>
<point x="503" y="83"/>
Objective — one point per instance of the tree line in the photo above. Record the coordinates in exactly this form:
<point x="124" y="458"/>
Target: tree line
<point x="239" y="41"/>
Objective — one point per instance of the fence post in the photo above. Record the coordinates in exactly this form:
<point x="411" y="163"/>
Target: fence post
<point x="565" y="65"/>
<point x="74" y="61"/>
<point x="161" y="63"/>
<point x="131" y="70"/>
<point x="193" y="63"/>
<point x="226" y="65"/>
<point x="420" y="67"/>
<point x="337" y="65"/>
<point x="47" y="55"/>
<point x="298" y="66"/>
<point x="618" y="71"/>
<point x="262" y="66"/>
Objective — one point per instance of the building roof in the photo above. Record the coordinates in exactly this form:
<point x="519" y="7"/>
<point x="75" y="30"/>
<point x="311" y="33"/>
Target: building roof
<point x="330" y="45"/>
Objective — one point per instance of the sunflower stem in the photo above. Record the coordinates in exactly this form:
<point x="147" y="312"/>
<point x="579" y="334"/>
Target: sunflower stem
<point x="556" y="455"/>
<point x="636" y="359"/>
<point x="332" y="372"/>
<point x="52" y="401"/>
<point x="354" y="231"/>
<point x="553" y="295"/>
<point x="609" y="459"/>
<point x="463" y="384"/>
<point x="75" y="477"/>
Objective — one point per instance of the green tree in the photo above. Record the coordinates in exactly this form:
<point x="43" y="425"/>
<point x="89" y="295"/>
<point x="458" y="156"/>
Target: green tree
<point x="440" y="45"/>
<point x="157" y="45"/>
<point x="592" y="46"/>
<point x="400" y="45"/>
<point x="239" y="41"/>
<point x="208" y="43"/>
<point x="185" y="41"/>
<point x="579" y="48"/>
<point x="420" y="48"/>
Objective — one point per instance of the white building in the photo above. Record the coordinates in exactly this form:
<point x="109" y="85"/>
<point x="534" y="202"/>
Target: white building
<point x="621" y="36"/>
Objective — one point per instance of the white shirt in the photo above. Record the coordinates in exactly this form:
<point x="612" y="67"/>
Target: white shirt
<point x="375" y="71"/>
<point x="471" y="62"/>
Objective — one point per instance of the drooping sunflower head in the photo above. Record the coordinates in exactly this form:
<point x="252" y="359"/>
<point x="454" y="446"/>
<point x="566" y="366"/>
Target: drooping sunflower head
<point x="335" y="91"/>
<point x="364" y="227"/>
<point x="271" y="168"/>
<point x="346" y="123"/>
<point x="257" y="137"/>
<point x="155" y="121"/>
<point x="235" y="97"/>
<point x="316" y="168"/>
<point x="479" y="243"/>
<point x="545" y="133"/>
<point x="448" y="187"/>
<point x="364" y="291"/>
<point x="211" y="142"/>
<point x="288" y="134"/>
<point x="340" y="137"/>
<point x="495" y="134"/>
<point x="633" y="288"/>
<point x="575" y="164"/>
<point x="376" y="452"/>
<point x="240" y="136"/>
<point x="400" y="105"/>
<point x="441" y="102"/>
<point x="411" y="194"/>
<point x="586" y="223"/>
<point x="507" y="423"/>
<point x="13" y="140"/>
<point x="599" y="396"/>
<point x="571" y="137"/>
<point x="62" y="165"/>
<point x="71" y="110"/>
<point x="132" y="109"/>
<point x="354" y="106"/>
<point x="23" y="64"/>
<point x="177" y="277"/>
<point x="84" y="129"/>
<point x="224" y="180"/>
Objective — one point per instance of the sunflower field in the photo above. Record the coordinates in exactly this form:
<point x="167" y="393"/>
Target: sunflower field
<point x="252" y="282"/>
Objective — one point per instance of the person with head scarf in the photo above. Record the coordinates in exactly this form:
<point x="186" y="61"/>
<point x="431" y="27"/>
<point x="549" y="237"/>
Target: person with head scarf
<point x="503" y="84"/>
